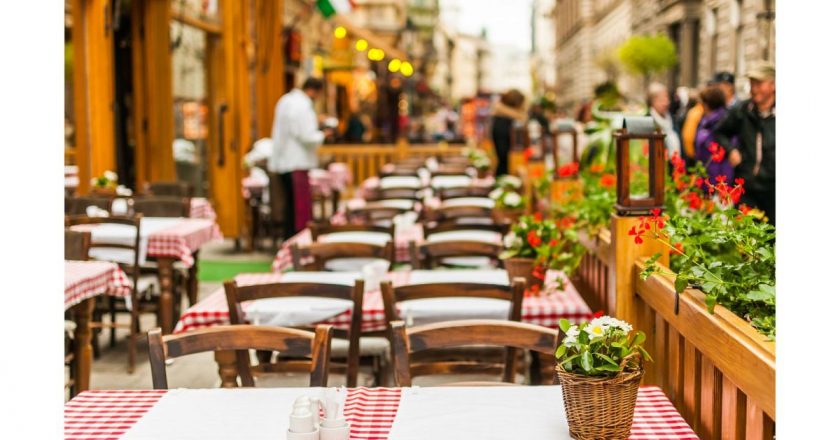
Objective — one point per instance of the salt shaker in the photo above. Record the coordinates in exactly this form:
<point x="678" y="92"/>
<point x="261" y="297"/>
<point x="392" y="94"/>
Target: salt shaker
<point x="301" y="423"/>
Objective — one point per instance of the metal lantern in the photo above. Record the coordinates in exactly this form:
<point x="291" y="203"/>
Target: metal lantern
<point x="640" y="128"/>
<point x="563" y="127"/>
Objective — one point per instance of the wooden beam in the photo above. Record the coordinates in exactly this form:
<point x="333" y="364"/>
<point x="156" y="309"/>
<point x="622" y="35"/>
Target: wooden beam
<point x="268" y="66"/>
<point x="196" y="22"/>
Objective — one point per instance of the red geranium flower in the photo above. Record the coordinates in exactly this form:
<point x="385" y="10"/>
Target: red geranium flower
<point x="718" y="153"/>
<point x="679" y="247"/>
<point x="527" y="154"/>
<point x="569" y="169"/>
<point x="596" y="168"/>
<point x="538" y="216"/>
<point x="608" y="180"/>
<point x="533" y="239"/>
<point x="538" y="272"/>
<point x="598" y="314"/>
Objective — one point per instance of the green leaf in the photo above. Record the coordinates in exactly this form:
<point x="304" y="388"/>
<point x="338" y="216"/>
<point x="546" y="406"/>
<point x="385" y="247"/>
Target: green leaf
<point x="565" y="325"/>
<point x="680" y="283"/>
<point x="561" y="350"/>
<point x="606" y="358"/>
<point x="638" y="338"/>
<point x="586" y="361"/>
<point x="644" y="353"/>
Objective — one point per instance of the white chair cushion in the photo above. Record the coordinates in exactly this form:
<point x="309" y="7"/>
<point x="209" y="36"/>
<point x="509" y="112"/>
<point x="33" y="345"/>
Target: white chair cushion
<point x="349" y="264"/>
<point x="472" y="262"/>
<point x="368" y="346"/>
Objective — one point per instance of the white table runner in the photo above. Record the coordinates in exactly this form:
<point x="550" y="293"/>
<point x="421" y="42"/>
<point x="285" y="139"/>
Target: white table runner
<point x="487" y="413"/>
<point x="296" y="311"/>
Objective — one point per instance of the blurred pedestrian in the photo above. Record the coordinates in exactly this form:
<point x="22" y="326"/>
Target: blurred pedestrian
<point x="658" y="103"/>
<point x="726" y="82"/>
<point x="355" y="131"/>
<point x="296" y="137"/>
<point x="707" y="150"/>
<point x="753" y="124"/>
<point x="510" y="108"/>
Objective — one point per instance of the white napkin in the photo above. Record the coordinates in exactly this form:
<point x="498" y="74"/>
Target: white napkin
<point x="487" y="413"/>
<point x="374" y="273"/>
<point x="95" y="211"/>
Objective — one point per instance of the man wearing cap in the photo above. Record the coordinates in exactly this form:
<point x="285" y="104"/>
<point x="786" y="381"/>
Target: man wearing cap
<point x="726" y="82"/>
<point x="753" y="124"/>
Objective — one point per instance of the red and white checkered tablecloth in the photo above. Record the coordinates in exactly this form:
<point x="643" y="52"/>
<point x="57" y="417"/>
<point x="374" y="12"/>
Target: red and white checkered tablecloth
<point x="545" y="310"/>
<point x="99" y="415"/>
<point x="182" y="239"/>
<point x="200" y="207"/>
<point x="283" y="259"/>
<point x="336" y="177"/>
<point x="86" y="279"/>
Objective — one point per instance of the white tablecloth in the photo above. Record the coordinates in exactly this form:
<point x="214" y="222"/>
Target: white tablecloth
<point x="297" y="311"/>
<point x="427" y="311"/>
<point x="377" y="238"/>
<point x="400" y="182"/>
<point x="439" y="182"/>
<point x="124" y="234"/>
<point x="481" y="202"/>
<point x="466" y="235"/>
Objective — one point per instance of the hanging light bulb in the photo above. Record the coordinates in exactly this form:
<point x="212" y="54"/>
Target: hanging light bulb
<point x="376" y="54"/>
<point x="394" y="65"/>
<point x="406" y="68"/>
<point x="361" y="44"/>
<point x="340" y="32"/>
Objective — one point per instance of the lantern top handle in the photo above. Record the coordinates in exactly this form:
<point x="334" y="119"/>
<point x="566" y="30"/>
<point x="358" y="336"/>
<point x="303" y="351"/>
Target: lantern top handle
<point x="639" y="125"/>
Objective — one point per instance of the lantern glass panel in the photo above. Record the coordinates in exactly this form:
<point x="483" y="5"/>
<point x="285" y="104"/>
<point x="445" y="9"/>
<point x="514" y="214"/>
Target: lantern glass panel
<point x="639" y="160"/>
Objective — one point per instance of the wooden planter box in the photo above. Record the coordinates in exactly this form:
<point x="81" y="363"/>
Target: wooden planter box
<point x="718" y="370"/>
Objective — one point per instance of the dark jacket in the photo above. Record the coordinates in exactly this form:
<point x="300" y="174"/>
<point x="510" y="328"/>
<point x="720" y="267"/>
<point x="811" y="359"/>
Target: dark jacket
<point x="757" y="168"/>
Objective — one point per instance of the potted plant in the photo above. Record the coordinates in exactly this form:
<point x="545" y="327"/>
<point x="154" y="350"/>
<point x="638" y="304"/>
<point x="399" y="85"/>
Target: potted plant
<point x="600" y="367"/>
<point x="479" y="160"/>
<point x="508" y="198"/>
<point x="106" y="184"/>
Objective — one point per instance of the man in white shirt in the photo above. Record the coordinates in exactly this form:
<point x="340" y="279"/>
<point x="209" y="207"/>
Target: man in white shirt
<point x="296" y="136"/>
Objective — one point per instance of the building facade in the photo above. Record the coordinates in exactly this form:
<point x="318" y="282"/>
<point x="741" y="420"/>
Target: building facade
<point x="543" y="41"/>
<point x="709" y="36"/>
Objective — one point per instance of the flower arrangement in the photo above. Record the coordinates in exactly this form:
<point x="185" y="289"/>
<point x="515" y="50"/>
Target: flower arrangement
<point x="717" y="244"/>
<point x="604" y="346"/>
<point x="478" y="158"/>
<point x="546" y="243"/>
<point x="506" y="181"/>
<point x="108" y="180"/>
<point x="506" y="194"/>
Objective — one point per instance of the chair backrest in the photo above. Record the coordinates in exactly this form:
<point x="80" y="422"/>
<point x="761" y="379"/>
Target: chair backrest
<point x="406" y="341"/>
<point x="236" y="294"/>
<point x="464" y="191"/>
<point x="319" y="229"/>
<point x="76" y="245"/>
<point x="451" y="169"/>
<point x="463" y="224"/>
<point x="289" y="342"/>
<point x="324" y="252"/>
<point x="514" y="293"/>
<point x="173" y="189"/>
<point x="162" y="206"/>
<point x="78" y="205"/>
<point x="394" y="193"/>
<point x="430" y="254"/>
<point x="371" y="214"/>
<point x="399" y="170"/>
<point x="455" y="212"/>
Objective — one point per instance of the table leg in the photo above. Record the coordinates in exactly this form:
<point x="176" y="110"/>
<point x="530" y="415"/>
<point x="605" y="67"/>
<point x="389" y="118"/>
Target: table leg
<point x="83" y="357"/>
<point x="192" y="280"/>
<point x="165" y="303"/>
<point x="227" y="367"/>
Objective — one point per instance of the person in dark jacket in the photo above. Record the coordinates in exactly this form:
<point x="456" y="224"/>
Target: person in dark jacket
<point x="753" y="124"/>
<point x="714" y="110"/>
<point x="510" y="108"/>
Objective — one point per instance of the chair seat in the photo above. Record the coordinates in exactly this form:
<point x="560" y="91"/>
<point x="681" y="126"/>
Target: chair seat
<point x="349" y="264"/>
<point x="471" y="262"/>
<point x="368" y="346"/>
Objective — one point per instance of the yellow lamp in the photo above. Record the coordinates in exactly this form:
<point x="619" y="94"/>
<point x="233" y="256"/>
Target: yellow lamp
<point x="376" y="54"/>
<point x="361" y="44"/>
<point x="340" y="32"/>
<point x="394" y="65"/>
<point x="406" y="68"/>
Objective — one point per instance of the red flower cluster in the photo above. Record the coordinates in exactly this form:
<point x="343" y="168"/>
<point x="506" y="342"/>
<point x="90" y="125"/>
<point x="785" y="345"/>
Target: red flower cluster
<point x="679" y="248"/>
<point x="693" y="199"/>
<point x="596" y="168"/>
<point x="608" y="180"/>
<point x="678" y="164"/>
<point x="538" y="216"/>
<point x="528" y="153"/>
<point x="718" y="153"/>
<point x="744" y="209"/>
<point x="569" y="169"/>
<point x="597" y="314"/>
<point x="645" y="149"/>
<point x="645" y="225"/>
<point x="727" y="194"/>
<point x="533" y="239"/>
<point x="566" y="222"/>
<point x="538" y="272"/>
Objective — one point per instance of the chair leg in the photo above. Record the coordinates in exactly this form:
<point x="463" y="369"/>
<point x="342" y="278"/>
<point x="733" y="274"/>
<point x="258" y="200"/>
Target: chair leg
<point x="112" y="309"/>
<point x="535" y="368"/>
<point x="132" y="339"/>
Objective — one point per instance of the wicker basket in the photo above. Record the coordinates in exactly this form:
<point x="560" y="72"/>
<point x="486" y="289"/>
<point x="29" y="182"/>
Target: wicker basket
<point x="522" y="267"/>
<point x="600" y="408"/>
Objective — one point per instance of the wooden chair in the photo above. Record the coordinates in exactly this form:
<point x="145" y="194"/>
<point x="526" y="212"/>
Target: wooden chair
<point x="464" y="191"/>
<point x="430" y="255"/>
<point x="323" y="253"/>
<point x="319" y="229"/>
<point x="290" y="342"/>
<point x="378" y="215"/>
<point x="172" y="189"/>
<point x="394" y="193"/>
<point x="76" y="245"/>
<point x="78" y="205"/>
<point x="237" y="294"/>
<point x="141" y="284"/>
<point x="512" y="335"/>
<point x="162" y="206"/>
<point x="437" y="227"/>
<point x="482" y="359"/>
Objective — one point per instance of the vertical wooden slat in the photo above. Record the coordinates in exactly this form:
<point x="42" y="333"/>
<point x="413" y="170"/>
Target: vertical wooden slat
<point x="710" y="400"/>
<point x="759" y="426"/>
<point x="691" y="385"/>
<point x="675" y="365"/>
<point x="733" y="416"/>
<point x="661" y="344"/>
<point x="646" y="323"/>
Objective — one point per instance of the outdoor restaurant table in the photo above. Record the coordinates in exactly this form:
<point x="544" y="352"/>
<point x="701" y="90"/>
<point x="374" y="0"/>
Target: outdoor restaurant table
<point x="545" y="309"/>
<point x="200" y="207"/>
<point x="84" y="280"/>
<point x="487" y="413"/>
<point x="402" y="238"/>
<point x="166" y="240"/>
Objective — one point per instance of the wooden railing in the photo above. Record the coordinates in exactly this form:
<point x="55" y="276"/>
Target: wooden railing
<point x="366" y="160"/>
<point x="719" y="371"/>
<point x="593" y="274"/>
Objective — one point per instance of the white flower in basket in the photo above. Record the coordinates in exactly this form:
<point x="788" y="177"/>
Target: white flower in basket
<point x="512" y="200"/>
<point x="496" y="194"/>
<point x="508" y="181"/>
